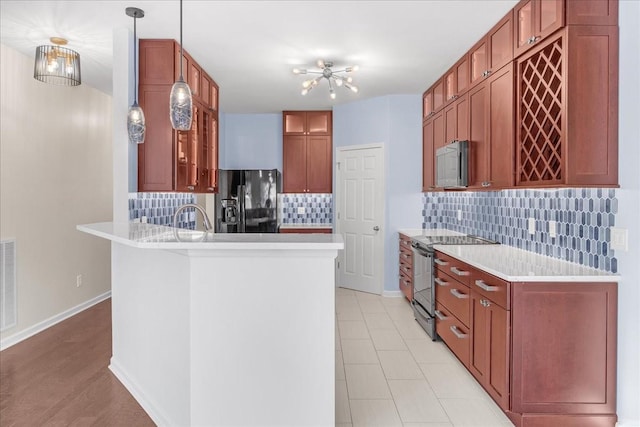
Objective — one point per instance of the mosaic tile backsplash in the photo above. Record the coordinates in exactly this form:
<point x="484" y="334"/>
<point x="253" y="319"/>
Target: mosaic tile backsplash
<point x="306" y="208"/>
<point x="160" y="207"/>
<point x="583" y="219"/>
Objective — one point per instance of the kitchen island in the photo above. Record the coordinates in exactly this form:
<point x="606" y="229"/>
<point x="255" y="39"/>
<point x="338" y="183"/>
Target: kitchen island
<point x="224" y="329"/>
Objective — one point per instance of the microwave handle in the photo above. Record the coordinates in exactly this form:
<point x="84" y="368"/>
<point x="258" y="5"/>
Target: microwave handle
<point x="459" y="167"/>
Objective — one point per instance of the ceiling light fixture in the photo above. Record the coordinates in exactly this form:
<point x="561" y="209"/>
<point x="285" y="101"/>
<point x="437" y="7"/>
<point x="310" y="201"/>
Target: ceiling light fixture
<point x="181" y="101"/>
<point x="135" y="118"/>
<point x="56" y="64"/>
<point x="329" y="74"/>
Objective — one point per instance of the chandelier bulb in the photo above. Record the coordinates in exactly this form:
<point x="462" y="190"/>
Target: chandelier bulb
<point x="320" y="63"/>
<point x="299" y="71"/>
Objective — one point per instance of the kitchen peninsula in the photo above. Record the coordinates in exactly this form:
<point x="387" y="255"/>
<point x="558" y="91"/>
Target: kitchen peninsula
<point x="217" y="329"/>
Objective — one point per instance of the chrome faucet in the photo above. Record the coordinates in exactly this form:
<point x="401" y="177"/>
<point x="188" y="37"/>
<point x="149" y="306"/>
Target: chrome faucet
<point x="205" y="223"/>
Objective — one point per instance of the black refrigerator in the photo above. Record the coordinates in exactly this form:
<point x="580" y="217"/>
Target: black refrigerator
<point x="247" y="201"/>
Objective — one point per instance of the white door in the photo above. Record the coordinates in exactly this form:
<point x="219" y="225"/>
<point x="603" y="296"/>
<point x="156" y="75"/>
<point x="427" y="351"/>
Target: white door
<point x="360" y="217"/>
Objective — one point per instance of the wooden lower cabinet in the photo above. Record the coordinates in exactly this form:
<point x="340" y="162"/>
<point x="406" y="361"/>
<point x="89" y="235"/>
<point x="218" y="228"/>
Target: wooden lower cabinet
<point x="563" y="340"/>
<point x="489" y="353"/>
<point x="405" y="266"/>
<point x="544" y="351"/>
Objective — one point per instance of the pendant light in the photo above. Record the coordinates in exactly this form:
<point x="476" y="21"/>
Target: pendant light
<point x="135" y="118"/>
<point x="181" y="102"/>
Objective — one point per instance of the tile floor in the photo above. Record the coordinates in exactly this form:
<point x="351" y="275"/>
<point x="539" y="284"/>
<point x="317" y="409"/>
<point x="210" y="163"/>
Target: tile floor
<point x="390" y="373"/>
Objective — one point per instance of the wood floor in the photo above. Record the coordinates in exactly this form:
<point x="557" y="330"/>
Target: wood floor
<point x="60" y="377"/>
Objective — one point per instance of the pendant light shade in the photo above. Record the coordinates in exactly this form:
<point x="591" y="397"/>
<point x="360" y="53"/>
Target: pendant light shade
<point x="56" y="64"/>
<point x="181" y="105"/>
<point x="136" y="126"/>
<point x="180" y="101"/>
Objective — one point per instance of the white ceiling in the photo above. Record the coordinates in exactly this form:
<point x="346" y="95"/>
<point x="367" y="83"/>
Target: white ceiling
<point x="250" y="47"/>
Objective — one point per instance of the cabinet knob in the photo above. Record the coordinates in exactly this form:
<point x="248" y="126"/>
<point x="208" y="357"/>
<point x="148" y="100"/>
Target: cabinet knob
<point x="486" y="184"/>
<point x="191" y="187"/>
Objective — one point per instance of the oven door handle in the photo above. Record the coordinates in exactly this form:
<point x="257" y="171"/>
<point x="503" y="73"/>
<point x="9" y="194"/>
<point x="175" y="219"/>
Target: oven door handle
<point x="420" y="251"/>
<point x="421" y="310"/>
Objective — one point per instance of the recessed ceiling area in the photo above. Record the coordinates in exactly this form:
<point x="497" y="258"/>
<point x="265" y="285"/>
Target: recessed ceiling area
<point x="250" y="47"/>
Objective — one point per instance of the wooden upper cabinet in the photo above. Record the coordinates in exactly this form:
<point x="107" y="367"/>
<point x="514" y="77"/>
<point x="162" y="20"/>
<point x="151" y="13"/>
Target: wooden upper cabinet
<point x="156" y="62"/>
<point x="294" y="164"/>
<point x="307" y="122"/>
<point x="456" y="120"/>
<point x="194" y="80"/>
<point x="462" y="75"/>
<point x="319" y="171"/>
<point x="171" y="160"/>
<point x="205" y="90"/>
<point x="592" y="12"/>
<point x="493" y="51"/>
<point x="456" y="80"/>
<point x="438" y="95"/>
<point x="569" y="136"/>
<point x="319" y="123"/>
<point x="427" y="104"/>
<point x="428" y="157"/>
<point x="307" y="151"/>
<point x="491" y="131"/>
<point x="156" y="157"/>
<point x="534" y="20"/>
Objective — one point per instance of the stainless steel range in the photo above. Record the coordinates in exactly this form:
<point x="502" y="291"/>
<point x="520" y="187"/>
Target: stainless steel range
<point x="424" y="294"/>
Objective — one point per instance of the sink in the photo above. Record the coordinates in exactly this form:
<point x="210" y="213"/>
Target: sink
<point x="183" y="235"/>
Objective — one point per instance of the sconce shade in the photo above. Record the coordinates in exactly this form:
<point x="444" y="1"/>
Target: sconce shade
<point x="57" y="65"/>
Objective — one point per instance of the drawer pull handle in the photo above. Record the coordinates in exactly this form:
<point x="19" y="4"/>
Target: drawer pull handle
<point x="406" y="269"/>
<point x="440" y="262"/>
<point x="441" y="282"/>
<point x="456" y="293"/>
<point x="488" y="288"/>
<point x="458" y="272"/>
<point x="457" y="333"/>
<point x="439" y="315"/>
<point x="406" y="256"/>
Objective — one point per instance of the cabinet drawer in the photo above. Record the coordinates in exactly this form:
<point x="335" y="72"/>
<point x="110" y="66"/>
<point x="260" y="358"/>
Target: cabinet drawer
<point x="453" y="333"/>
<point x="406" y="268"/>
<point x="405" y="242"/>
<point x="453" y="295"/>
<point x="452" y="267"/>
<point x="406" y="253"/>
<point x="406" y="287"/>
<point x="497" y="290"/>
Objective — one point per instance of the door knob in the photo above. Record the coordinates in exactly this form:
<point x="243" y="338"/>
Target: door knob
<point x="376" y="228"/>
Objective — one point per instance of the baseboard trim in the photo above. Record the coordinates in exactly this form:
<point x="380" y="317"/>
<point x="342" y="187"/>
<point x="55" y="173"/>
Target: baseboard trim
<point x="152" y="410"/>
<point x="392" y="294"/>
<point x="47" y="323"/>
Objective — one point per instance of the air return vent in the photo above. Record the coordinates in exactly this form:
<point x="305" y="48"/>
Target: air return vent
<point x="7" y="284"/>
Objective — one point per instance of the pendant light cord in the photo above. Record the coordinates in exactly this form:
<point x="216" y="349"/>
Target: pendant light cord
<point x="135" y="60"/>
<point x="181" y="54"/>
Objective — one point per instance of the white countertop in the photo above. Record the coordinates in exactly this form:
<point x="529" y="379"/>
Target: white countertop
<point x="517" y="265"/>
<point x="149" y="236"/>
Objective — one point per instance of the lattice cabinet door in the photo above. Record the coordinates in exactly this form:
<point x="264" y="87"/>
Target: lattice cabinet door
<point x="567" y="115"/>
<point x="541" y="132"/>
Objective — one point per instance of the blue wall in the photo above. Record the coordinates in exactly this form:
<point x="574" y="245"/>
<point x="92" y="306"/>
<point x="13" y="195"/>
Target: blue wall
<point x="394" y="121"/>
<point x="250" y="141"/>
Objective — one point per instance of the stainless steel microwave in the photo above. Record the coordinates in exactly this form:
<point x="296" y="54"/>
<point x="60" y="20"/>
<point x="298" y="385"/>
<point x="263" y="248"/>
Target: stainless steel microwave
<point x="452" y="165"/>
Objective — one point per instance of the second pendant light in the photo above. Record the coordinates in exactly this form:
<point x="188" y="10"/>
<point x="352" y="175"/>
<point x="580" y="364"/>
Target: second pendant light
<point x="181" y="101"/>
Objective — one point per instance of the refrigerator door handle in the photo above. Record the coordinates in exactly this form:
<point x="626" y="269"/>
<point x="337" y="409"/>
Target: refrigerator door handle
<point x="241" y="206"/>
